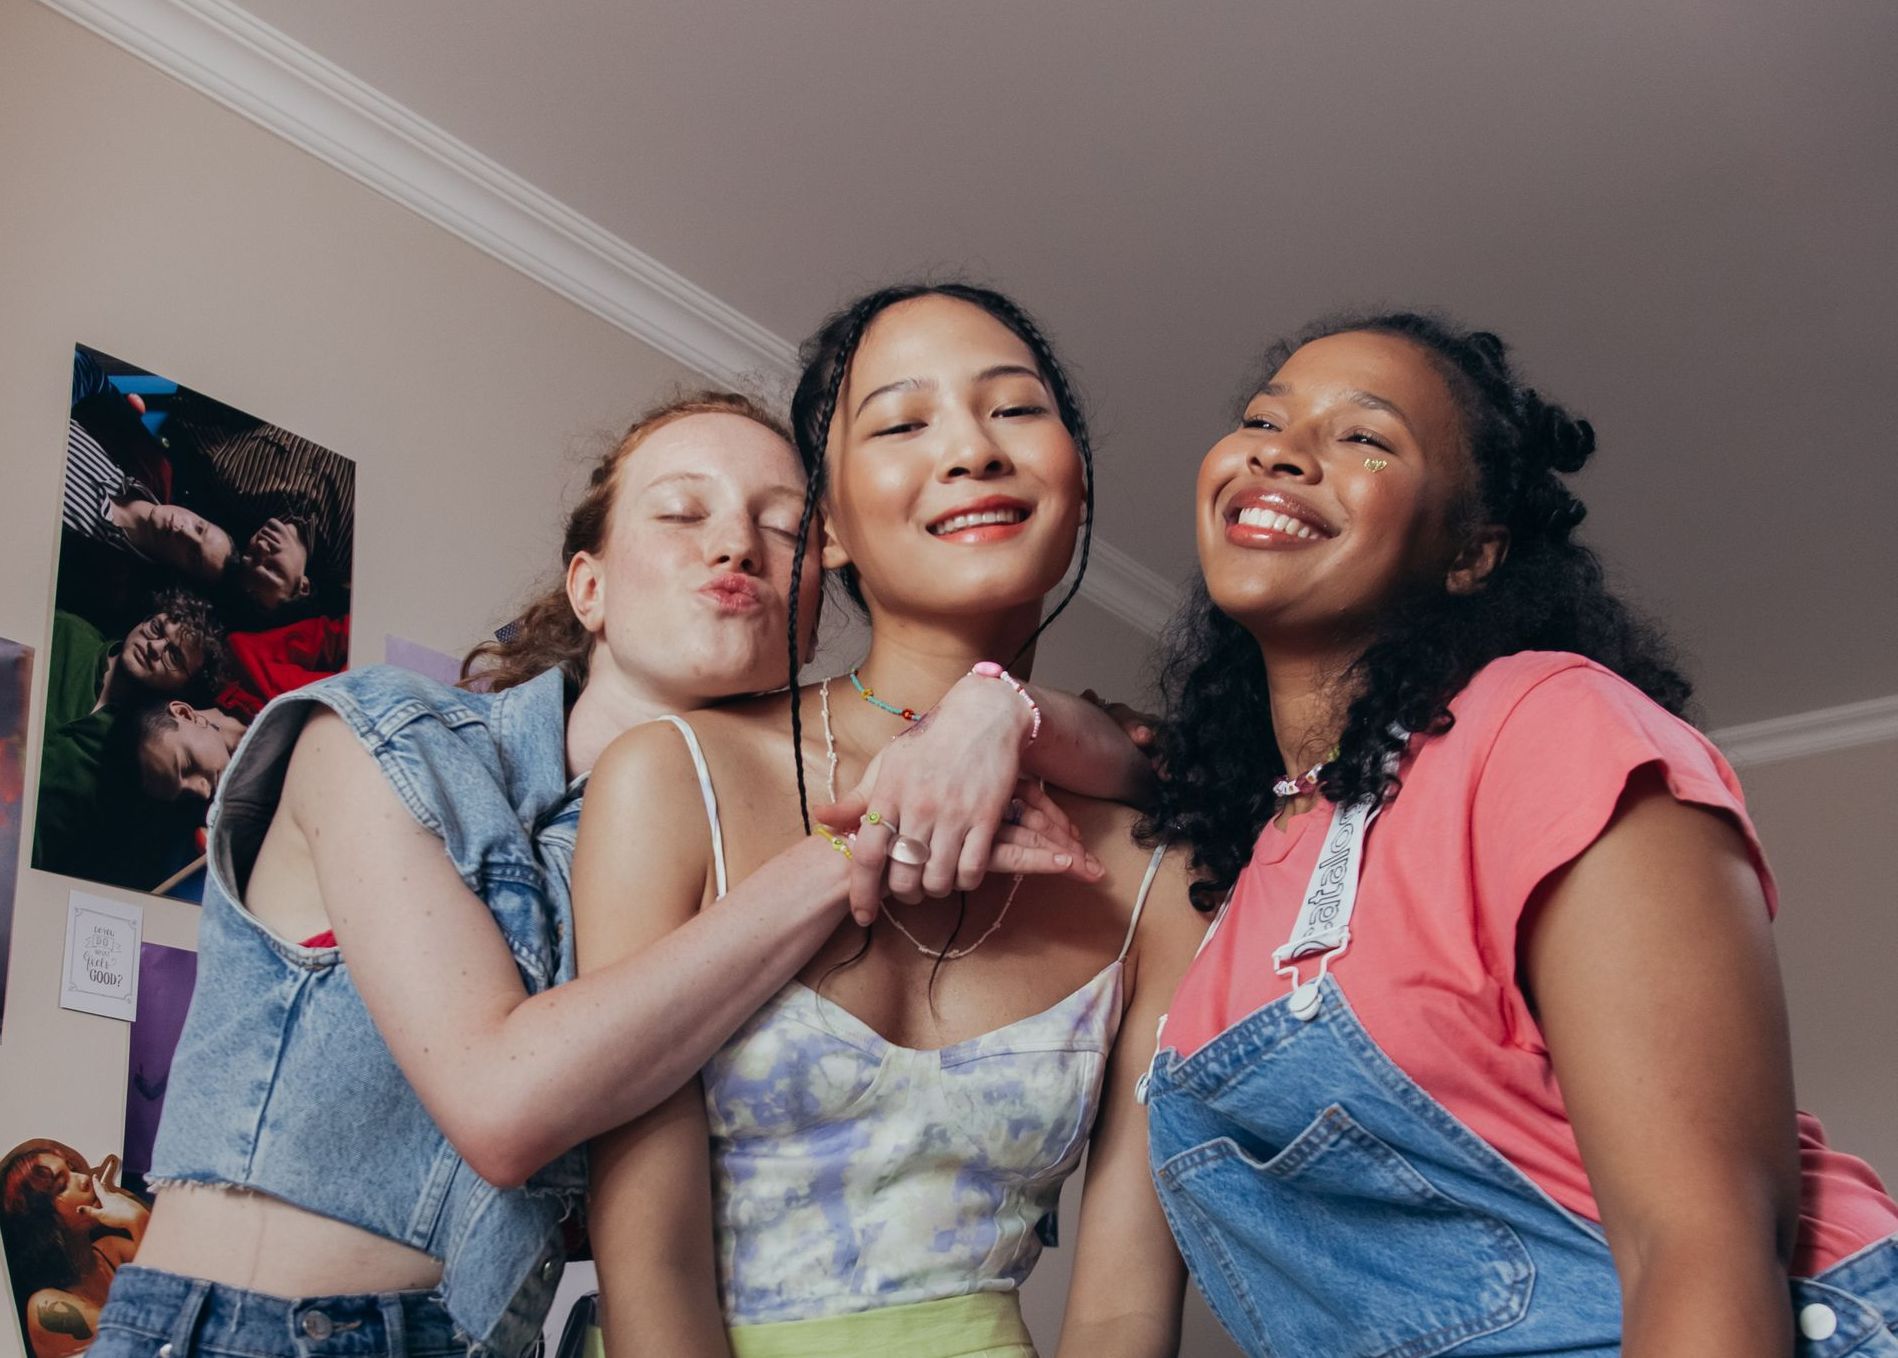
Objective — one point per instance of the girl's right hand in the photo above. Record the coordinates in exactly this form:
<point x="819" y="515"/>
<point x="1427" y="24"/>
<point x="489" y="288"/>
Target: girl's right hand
<point x="1031" y="835"/>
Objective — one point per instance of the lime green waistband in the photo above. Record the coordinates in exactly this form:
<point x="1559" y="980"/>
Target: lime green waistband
<point x="980" y="1325"/>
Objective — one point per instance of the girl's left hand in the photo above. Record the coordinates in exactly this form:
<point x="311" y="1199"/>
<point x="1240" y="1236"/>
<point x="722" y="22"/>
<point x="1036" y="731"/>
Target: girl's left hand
<point x="953" y="781"/>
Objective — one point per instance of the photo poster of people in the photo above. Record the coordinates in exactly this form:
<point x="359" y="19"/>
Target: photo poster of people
<point x="204" y="568"/>
<point x="16" y="678"/>
<point x="68" y="1225"/>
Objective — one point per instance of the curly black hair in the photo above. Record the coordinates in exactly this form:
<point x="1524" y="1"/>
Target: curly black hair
<point x="1548" y="594"/>
<point x="826" y="358"/>
<point x="196" y="616"/>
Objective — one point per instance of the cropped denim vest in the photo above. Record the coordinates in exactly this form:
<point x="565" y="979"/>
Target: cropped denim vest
<point x="281" y="1083"/>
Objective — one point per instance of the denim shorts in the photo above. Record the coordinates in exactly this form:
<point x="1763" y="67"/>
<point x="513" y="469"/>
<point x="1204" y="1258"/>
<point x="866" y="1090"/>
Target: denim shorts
<point x="161" y="1315"/>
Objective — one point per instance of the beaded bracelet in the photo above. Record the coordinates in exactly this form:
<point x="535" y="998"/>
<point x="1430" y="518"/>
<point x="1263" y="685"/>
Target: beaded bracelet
<point x="988" y="669"/>
<point x="835" y="840"/>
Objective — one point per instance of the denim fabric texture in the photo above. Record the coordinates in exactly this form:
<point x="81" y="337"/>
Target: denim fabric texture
<point x="1329" y="1208"/>
<point x="281" y="1083"/>
<point x="160" y="1315"/>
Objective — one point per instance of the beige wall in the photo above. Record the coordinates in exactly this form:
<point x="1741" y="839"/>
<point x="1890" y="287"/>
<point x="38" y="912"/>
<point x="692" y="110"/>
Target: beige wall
<point x="1830" y="824"/>
<point x="141" y="218"/>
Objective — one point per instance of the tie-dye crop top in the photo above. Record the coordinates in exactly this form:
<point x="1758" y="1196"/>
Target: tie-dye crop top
<point x="850" y="1173"/>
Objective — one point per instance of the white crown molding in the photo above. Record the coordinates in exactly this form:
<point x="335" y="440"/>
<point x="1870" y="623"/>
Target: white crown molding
<point x="223" y="51"/>
<point x="1130" y="591"/>
<point x="1820" y="731"/>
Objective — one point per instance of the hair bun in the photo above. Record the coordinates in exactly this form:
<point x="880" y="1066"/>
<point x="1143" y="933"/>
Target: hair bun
<point x="1561" y="441"/>
<point x="1491" y="346"/>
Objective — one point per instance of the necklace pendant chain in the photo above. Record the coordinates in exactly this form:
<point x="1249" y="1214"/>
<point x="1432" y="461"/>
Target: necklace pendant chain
<point x="830" y="756"/>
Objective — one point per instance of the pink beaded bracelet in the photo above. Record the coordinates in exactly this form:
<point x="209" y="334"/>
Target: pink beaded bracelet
<point x="988" y="669"/>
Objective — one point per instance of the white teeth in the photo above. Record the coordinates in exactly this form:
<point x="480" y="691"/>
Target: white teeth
<point x="979" y="520"/>
<point x="1257" y="516"/>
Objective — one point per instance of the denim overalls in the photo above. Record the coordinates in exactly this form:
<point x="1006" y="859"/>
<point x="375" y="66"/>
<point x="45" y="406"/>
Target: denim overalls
<point x="1329" y="1208"/>
<point x="281" y="1083"/>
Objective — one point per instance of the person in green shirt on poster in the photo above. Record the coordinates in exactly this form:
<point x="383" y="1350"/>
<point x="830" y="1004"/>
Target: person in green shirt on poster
<point x="83" y="827"/>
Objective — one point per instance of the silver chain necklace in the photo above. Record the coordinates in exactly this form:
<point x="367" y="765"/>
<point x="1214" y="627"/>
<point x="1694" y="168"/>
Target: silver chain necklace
<point x="943" y="955"/>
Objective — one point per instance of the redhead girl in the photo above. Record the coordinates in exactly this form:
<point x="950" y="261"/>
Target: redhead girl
<point x="67" y="1229"/>
<point x="871" y="1164"/>
<point x="367" y="1142"/>
<point x="1486" y="1052"/>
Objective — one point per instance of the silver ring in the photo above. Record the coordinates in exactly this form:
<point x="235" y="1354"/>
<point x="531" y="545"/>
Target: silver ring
<point x="910" y="851"/>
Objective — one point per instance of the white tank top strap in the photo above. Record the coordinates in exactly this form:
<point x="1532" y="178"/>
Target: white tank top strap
<point x="705" y="791"/>
<point x="1140" y="901"/>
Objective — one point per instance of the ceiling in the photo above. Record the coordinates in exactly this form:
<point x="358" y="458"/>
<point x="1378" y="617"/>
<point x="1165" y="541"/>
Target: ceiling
<point x="1684" y="216"/>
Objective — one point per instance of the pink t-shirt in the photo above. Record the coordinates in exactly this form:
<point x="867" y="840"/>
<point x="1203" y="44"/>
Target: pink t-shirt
<point x="1527" y="778"/>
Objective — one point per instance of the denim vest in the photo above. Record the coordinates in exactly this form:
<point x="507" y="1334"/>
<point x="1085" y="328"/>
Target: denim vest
<point x="281" y="1082"/>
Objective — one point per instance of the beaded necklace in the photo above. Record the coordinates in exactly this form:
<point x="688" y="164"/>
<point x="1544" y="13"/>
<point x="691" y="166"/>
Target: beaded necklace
<point x="868" y="694"/>
<point x="940" y="954"/>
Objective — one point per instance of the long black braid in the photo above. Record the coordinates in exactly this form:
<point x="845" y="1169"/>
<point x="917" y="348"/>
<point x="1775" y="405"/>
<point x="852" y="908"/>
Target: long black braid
<point x="826" y="357"/>
<point x="1548" y="594"/>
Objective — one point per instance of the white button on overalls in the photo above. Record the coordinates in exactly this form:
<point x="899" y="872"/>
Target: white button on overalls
<point x="1817" y="1320"/>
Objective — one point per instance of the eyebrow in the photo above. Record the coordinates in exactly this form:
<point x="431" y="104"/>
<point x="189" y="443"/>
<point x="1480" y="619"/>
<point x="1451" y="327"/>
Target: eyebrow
<point x="988" y="374"/>
<point x="670" y="477"/>
<point x="794" y="493"/>
<point x="1365" y="399"/>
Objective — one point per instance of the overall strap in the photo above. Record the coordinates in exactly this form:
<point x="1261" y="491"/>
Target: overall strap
<point x="706" y="792"/>
<point x="1140" y="901"/>
<point x="1323" y="927"/>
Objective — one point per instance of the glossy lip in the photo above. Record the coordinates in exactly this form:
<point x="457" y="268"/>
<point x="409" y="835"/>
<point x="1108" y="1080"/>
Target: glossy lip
<point x="988" y="532"/>
<point x="733" y="592"/>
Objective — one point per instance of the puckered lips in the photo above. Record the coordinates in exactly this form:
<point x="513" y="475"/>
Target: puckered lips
<point x="994" y="518"/>
<point x="1271" y="519"/>
<point x="733" y="592"/>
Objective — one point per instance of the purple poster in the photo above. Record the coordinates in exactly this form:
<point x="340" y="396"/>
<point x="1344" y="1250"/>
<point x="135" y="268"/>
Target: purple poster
<point x="423" y="660"/>
<point x="165" y="978"/>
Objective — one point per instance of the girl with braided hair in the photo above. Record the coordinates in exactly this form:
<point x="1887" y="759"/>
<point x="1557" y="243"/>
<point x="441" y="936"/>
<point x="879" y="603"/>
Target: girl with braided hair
<point x="872" y="1164"/>
<point x="370" y="1136"/>
<point x="1485" y="1053"/>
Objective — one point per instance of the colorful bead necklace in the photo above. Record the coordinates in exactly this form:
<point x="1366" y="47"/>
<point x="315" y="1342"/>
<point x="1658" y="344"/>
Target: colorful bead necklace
<point x="940" y="954"/>
<point x="868" y="694"/>
<point x="1305" y="782"/>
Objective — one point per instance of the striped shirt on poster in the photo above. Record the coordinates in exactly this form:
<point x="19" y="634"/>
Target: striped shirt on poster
<point x="93" y="481"/>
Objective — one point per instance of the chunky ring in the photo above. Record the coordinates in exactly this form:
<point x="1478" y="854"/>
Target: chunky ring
<point x="909" y="851"/>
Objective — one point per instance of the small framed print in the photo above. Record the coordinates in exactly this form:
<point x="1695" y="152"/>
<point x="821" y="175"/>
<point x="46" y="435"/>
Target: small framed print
<point x="102" y="951"/>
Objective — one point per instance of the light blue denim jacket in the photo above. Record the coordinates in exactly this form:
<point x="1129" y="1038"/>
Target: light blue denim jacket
<point x="281" y="1083"/>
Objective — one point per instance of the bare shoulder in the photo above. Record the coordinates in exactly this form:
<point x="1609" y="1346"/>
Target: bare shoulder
<point x="641" y="761"/>
<point x="1107" y="828"/>
<point x="59" y="1322"/>
<point x="1170" y="928"/>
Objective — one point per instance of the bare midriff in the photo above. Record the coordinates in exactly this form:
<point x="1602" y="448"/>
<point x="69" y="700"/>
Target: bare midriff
<point x="262" y="1244"/>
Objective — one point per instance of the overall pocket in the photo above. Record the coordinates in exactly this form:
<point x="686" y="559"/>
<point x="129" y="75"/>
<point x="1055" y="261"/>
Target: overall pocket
<point x="1337" y="1245"/>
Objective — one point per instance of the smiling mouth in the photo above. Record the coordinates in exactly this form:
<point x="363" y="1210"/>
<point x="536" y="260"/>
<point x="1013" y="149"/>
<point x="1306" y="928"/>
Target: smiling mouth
<point x="980" y="516"/>
<point x="1274" y="520"/>
<point x="1258" y="516"/>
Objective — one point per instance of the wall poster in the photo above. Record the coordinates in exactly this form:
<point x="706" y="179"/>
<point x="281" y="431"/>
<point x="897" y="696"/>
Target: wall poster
<point x="204" y="568"/>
